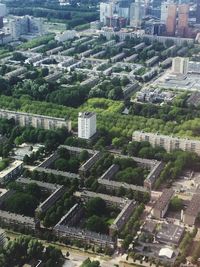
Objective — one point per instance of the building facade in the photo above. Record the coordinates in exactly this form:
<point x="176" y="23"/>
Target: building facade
<point x="192" y="211"/>
<point x="171" y="20"/>
<point x="198" y="12"/>
<point x="180" y="65"/>
<point x="86" y="124"/>
<point x="169" y="143"/>
<point x="34" y="120"/>
<point x="25" y="25"/>
<point x="162" y="204"/>
<point x="183" y="15"/>
<point x="137" y="13"/>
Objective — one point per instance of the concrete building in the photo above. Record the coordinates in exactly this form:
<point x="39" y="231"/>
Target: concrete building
<point x="11" y="172"/>
<point x="169" y="143"/>
<point x="2" y="237"/>
<point x="192" y="211"/>
<point x="180" y="65"/>
<point x="3" y="12"/>
<point x="35" y="120"/>
<point x="170" y="234"/>
<point x="86" y="124"/>
<point x="49" y="202"/>
<point x="198" y="12"/>
<point x="123" y="217"/>
<point x="183" y="15"/>
<point x="171" y="20"/>
<point x="162" y="204"/>
<point x="25" y="25"/>
<point x="137" y="13"/>
<point x="66" y="35"/>
<point x="164" y="12"/>
<point x="194" y="67"/>
<point x="11" y="219"/>
<point x="107" y="11"/>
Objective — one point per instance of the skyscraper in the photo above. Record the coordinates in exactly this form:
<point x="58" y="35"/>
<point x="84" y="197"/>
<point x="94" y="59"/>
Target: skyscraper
<point x="164" y="12"/>
<point x="183" y="13"/>
<point x="198" y="12"/>
<point x="106" y="11"/>
<point x="86" y="124"/>
<point x="2" y="13"/>
<point x="137" y="13"/>
<point x="171" y="19"/>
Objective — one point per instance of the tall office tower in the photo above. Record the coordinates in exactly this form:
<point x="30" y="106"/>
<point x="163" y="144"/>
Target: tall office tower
<point x="198" y="12"/>
<point x="2" y="14"/>
<point x="86" y="124"/>
<point x="107" y="10"/>
<point x="137" y="13"/>
<point x="156" y="3"/>
<point x="164" y="12"/>
<point x="124" y="10"/>
<point x="183" y="14"/>
<point x="180" y="65"/>
<point x="171" y="19"/>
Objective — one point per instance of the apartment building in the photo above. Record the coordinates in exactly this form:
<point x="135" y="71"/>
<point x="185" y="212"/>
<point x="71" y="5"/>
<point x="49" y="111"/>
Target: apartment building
<point x="86" y="124"/>
<point x="192" y="211"/>
<point x="162" y="204"/>
<point x="2" y="237"/>
<point x="180" y="65"/>
<point x="169" y="143"/>
<point x="35" y="120"/>
<point x="11" y="172"/>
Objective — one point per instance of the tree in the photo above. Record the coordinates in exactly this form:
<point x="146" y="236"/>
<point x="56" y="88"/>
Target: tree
<point x="44" y="72"/>
<point x="96" y="224"/>
<point x="83" y="156"/>
<point x="126" y="242"/>
<point x="89" y="263"/>
<point x="63" y="153"/>
<point x="176" y="204"/>
<point x="61" y="164"/>
<point x="34" y="190"/>
<point x="21" y="203"/>
<point x="96" y="206"/>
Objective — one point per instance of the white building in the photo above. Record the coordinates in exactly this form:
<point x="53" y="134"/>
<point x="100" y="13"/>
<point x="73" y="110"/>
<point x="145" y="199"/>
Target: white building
<point x="25" y="25"/>
<point x="66" y="35"/>
<point x="86" y="124"/>
<point x="180" y="65"/>
<point x="3" y="10"/>
<point x="107" y="10"/>
<point x="169" y="143"/>
<point x="137" y="13"/>
<point x="164" y="12"/>
<point x="194" y="67"/>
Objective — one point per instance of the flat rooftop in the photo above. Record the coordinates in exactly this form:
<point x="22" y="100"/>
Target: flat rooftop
<point x="48" y="186"/>
<point x="16" y="217"/>
<point x="86" y="115"/>
<point x="194" y="207"/>
<point x="10" y="168"/>
<point x="164" y="199"/>
<point x="170" y="233"/>
<point x="190" y="82"/>
<point x="3" y="191"/>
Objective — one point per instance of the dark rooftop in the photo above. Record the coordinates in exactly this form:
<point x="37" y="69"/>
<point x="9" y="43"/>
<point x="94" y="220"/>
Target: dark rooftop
<point x="164" y="199"/>
<point x="194" y="207"/>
